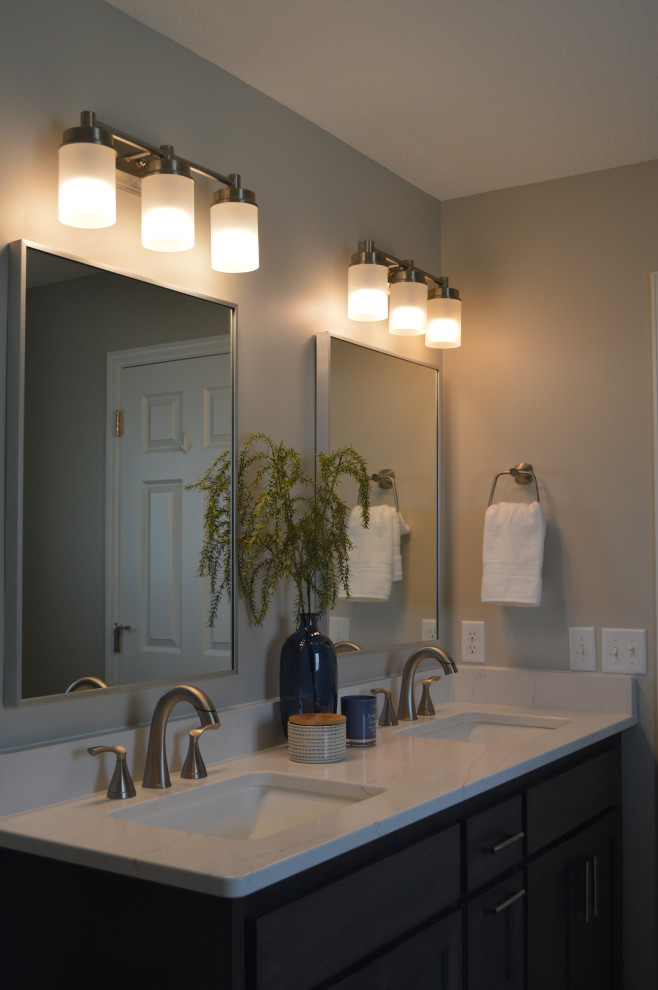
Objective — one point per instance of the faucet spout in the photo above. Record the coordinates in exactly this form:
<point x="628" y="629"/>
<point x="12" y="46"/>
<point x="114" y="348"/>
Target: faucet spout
<point x="407" y="706"/>
<point x="156" y="771"/>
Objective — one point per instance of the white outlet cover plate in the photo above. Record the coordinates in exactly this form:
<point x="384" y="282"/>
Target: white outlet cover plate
<point x="624" y="651"/>
<point x="428" y="629"/>
<point x="472" y="641"/>
<point x="339" y="628"/>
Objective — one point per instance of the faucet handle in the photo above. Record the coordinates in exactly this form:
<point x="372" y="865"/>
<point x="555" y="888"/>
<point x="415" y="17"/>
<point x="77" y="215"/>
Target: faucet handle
<point x="388" y="715"/>
<point x="426" y="707"/>
<point x="121" y="785"/>
<point x="194" y="768"/>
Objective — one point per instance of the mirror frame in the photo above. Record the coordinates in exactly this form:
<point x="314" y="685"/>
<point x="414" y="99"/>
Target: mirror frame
<point x="322" y="445"/>
<point x="14" y="440"/>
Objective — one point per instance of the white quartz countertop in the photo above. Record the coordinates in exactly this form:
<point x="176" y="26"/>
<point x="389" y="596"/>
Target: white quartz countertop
<point x="418" y="777"/>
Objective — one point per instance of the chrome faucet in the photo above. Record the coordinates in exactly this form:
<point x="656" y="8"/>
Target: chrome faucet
<point x="156" y="771"/>
<point x="407" y="706"/>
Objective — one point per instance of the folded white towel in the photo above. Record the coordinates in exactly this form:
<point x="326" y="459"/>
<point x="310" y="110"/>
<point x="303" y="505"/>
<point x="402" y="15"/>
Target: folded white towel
<point x="374" y="560"/>
<point x="513" y="553"/>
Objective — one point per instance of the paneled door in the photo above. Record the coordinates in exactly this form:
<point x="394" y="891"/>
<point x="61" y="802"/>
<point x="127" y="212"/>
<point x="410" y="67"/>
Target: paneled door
<point x="175" y="419"/>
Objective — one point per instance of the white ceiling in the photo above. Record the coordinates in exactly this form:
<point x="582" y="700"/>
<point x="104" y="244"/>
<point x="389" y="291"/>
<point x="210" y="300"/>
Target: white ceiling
<point x="456" y="96"/>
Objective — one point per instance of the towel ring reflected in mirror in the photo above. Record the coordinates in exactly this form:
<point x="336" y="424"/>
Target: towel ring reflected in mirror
<point x="386" y="479"/>
<point x="522" y="473"/>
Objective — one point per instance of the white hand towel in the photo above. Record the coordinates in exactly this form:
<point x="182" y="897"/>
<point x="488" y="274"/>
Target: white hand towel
<point x="513" y="553"/>
<point x="374" y="559"/>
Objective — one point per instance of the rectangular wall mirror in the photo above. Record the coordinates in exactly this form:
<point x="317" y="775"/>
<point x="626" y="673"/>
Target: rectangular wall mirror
<point x="120" y="393"/>
<point x="387" y="407"/>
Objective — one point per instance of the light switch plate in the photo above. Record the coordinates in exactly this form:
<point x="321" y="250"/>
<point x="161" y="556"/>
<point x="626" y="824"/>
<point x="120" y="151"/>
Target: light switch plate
<point x="582" y="648"/>
<point x="624" y="651"/>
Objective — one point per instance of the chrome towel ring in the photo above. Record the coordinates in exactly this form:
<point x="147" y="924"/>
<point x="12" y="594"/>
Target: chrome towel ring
<point x="523" y="474"/>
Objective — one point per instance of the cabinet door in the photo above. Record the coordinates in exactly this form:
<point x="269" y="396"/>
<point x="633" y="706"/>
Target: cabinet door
<point x="430" y="960"/>
<point x="574" y="907"/>
<point x="314" y="938"/>
<point x="495" y="937"/>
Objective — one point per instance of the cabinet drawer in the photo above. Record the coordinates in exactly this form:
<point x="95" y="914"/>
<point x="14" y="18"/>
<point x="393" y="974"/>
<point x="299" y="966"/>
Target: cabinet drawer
<point x="557" y="806"/>
<point x="494" y="841"/>
<point x="322" y="934"/>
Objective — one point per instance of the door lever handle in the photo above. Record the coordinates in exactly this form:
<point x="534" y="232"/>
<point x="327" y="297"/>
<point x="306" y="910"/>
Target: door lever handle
<point x="118" y="636"/>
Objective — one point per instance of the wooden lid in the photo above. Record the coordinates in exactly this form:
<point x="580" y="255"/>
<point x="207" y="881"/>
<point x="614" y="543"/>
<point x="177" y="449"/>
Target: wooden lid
<point x="318" y="719"/>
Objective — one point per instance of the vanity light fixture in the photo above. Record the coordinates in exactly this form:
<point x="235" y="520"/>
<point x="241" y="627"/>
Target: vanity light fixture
<point x="419" y="302"/>
<point x="88" y="159"/>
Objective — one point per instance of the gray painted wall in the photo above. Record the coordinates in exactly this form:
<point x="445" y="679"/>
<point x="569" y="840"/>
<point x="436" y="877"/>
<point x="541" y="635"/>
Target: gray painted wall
<point x="317" y="198"/>
<point x="556" y="368"/>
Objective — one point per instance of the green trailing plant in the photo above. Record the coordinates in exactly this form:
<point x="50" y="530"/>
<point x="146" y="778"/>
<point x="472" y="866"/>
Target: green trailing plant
<point x="289" y="525"/>
<point x="215" y="558"/>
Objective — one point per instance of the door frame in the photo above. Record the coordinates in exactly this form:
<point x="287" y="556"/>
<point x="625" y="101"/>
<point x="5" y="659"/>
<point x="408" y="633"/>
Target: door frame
<point x="653" y="276"/>
<point x="117" y="361"/>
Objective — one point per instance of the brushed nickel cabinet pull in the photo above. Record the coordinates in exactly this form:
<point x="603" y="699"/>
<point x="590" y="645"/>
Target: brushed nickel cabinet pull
<point x="507" y="903"/>
<point x="503" y="844"/>
<point x="595" y="886"/>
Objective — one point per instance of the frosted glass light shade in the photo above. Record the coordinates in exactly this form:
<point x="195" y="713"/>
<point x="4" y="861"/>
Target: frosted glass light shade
<point x="234" y="237"/>
<point x="408" y="316"/>
<point x="167" y="212"/>
<point x="367" y="292"/>
<point x="87" y="185"/>
<point x="444" y="322"/>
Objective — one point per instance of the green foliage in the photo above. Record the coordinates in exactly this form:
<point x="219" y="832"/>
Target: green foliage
<point x="215" y="559"/>
<point x="289" y="525"/>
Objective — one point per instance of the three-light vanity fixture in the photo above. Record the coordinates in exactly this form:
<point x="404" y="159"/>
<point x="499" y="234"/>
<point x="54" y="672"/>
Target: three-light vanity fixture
<point x="88" y="159"/>
<point x="419" y="302"/>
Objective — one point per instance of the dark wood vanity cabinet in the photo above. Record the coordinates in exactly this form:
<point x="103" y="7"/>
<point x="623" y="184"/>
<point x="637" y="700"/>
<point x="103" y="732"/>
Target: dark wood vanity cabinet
<point x="517" y="888"/>
<point x="573" y="897"/>
<point x="430" y="960"/>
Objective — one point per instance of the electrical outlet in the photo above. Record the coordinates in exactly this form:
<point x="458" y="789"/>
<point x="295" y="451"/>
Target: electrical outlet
<point x="339" y="628"/>
<point x="624" y="651"/>
<point x="473" y="642"/>
<point x="582" y="648"/>
<point x="428" y="629"/>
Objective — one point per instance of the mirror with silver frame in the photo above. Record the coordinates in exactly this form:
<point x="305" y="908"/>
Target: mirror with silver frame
<point x="119" y="394"/>
<point x="387" y="407"/>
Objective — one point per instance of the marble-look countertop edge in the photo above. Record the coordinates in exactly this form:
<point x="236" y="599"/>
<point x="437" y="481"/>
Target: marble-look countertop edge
<point x="412" y="771"/>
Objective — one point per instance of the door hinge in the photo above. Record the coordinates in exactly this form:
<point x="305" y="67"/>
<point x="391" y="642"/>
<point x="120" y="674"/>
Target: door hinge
<point x="118" y="423"/>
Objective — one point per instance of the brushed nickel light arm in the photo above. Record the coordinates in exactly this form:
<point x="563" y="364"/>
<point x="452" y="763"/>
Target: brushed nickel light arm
<point x="91" y="153"/>
<point x="96" y="131"/>
<point x="420" y="301"/>
<point x="367" y="253"/>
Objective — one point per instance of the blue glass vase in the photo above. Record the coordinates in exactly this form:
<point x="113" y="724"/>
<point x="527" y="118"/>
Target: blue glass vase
<point x="308" y="672"/>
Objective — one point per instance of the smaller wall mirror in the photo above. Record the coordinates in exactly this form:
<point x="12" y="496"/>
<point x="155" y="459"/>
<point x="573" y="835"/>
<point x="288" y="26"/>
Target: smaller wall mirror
<point x="120" y="393"/>
<point x="387" y="407"/>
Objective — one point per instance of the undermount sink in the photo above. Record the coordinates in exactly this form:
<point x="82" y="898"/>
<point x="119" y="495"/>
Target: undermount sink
<point x="485" y="728"/>
<point x="250" y="806"/>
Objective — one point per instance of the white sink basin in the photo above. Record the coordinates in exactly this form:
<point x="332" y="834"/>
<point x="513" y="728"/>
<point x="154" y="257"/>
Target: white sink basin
<point x="250" y="806"/>
<point x="484" y="727"/>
